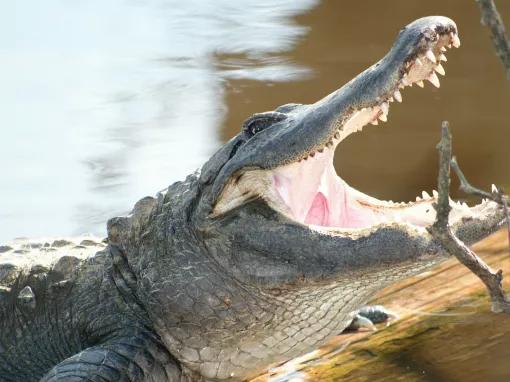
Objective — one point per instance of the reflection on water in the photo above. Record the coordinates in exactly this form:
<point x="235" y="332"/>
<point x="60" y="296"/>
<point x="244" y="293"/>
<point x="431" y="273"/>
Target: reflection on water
<point x="105" y="102"/>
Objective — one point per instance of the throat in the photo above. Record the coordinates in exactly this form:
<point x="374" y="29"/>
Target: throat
<point x="315" y="195"/>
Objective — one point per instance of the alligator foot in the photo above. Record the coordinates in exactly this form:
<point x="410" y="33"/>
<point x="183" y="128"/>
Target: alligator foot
<point x="137" y="357"/>
<point x="370" y="315"/>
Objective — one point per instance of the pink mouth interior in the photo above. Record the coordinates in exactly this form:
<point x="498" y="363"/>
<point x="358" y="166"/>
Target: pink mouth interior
<point x="313" y="194"/>
<point x="316" y="195"/>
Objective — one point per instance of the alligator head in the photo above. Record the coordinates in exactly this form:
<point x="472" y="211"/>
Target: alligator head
<point x="279" y="179"/>
<point x="267" y="251"/>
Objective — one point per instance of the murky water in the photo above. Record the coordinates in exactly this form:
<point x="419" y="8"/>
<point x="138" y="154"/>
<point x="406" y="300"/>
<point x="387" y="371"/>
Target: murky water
<point x="103" y="103"/>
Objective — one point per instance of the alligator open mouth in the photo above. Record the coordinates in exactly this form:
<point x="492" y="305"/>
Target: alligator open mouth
<point x="309" y="191"/>
<point x="312" y="192"/>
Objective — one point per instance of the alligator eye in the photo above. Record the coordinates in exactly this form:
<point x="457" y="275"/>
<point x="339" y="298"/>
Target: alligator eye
<point x="260" y="121"/>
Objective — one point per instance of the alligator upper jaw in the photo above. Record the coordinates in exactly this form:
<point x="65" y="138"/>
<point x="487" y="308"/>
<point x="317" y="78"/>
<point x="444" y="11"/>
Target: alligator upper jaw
<point x="309" y="191"/>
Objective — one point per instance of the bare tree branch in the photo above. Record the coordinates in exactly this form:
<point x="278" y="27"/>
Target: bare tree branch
<point x="492" y="19"/>
<point x="441" y="231"/>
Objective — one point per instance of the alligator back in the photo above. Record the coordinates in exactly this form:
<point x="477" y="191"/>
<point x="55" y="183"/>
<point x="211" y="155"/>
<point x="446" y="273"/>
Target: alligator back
<point x="36" y="277"/>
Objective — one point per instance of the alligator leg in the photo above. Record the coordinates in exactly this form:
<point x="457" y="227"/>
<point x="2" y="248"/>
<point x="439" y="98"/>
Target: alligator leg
<point x="139" y="358"/>
<point x="370" y="315"/>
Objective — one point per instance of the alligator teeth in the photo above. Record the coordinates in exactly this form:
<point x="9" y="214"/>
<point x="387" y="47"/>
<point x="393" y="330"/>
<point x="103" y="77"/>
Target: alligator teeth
<point x="418" y="199"/>
<point x="418" y="62"/>
<point x="494" y="188"/>
<point x="405" y="82"/>
<point x="385" y="107"/>
<point x="434" y="80"/>
<point x="374" y="122"/>
<point x="443" y="49"/>
<point x="383" y="117"/>
<point x="425" y="195"/>
<point x="439" y="68"/>
<point x="397" y="95"/>
<point x="431" y="56"/>
<point x="435" y="194"/>
<point x="455" y="40"/>
<point x="420" y="83"/>
<point x="391" y="99"/>
<point x="442" y="57"/>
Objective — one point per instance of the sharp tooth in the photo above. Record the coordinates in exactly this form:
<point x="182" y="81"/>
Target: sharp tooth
<point x="374" y="122"/>
<point x="435" y="194"/>
<point x="494" y="188"/>
<point x="405" y="82"/>
<point x="420" y="83"/>
<point x="397" y="96"/>
<point x="455" y="40"/>
<point x="383" y="117"/>
<point x="443" y="49"/>
<point x="430" y="55"/>
<point x="439" y="68"/>
<point x="391" y="99"/>
<point x="442" y="57"/>
<point x="401" y="86"/>
<point x="418" y="199"/>
<point x="385" y="107"/>
<point x="434" y="80"/>
<point x="418" y="62"/>
<point x="425" y="195"/>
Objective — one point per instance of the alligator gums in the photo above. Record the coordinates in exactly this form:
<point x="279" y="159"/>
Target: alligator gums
<point x="262" y="255"/>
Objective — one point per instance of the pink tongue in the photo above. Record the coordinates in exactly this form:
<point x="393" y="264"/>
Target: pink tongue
<point x="318" y="212"/>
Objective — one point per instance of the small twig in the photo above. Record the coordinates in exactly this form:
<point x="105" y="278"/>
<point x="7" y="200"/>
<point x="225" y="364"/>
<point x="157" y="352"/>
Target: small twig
<point x="497" y="195"/>
<point x="442" y="232"/>
<point x="492" y="19"/>
<point x="443" y="185"/>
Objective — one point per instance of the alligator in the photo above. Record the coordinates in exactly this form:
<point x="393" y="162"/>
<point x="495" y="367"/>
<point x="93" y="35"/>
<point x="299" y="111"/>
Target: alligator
<point x="262" y="255"/>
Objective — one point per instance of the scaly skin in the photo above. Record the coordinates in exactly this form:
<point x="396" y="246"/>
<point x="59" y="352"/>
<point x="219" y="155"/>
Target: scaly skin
<point x="192" y="288"/>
